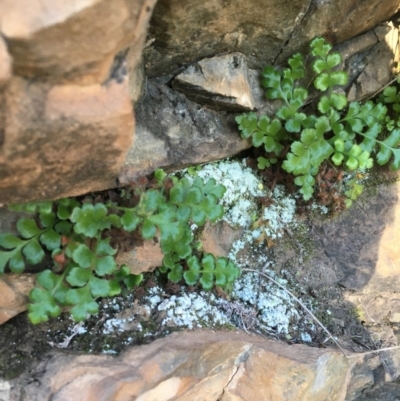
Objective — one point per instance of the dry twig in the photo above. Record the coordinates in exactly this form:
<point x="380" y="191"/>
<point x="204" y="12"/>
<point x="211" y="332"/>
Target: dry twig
<point x="316" y="319"/>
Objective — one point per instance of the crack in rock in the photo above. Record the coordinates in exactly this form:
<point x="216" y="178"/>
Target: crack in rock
<point x="242" y="358"/>
<point x="308" y="10"/>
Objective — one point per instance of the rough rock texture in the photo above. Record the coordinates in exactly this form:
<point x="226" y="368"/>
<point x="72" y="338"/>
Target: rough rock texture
<point x="143" y="258"/>
<point x="362" y="247"/>
<point x="59" y="140"/>
<point x="14" y="290"/>
<point x="215" y="238"/>
<point x="337" y="21"/>
<point x="366" y="261"/>
<point x="174" y="132"/>
<point x="220" y="82"/>
<point x="5" y="63"/>
<point x="265" y="31"/>
<point x="218" y="238"/>
<point x="383" y="392"/>
<point x="195" y="366"/>
<point x="68" y="82"/>
<point x="56" y="41"/>
<point x="378" y="64"/>
<point x="66" y="116"/>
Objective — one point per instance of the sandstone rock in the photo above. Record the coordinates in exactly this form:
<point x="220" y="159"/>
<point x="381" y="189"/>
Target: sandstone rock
<point x="218" y="238"/>
<point x="385" y="337"/>
<point x="381" y="392"/>
<point x="231" y="26"/>
<point x="63" y="140"/>
<point x="377" y="310"/>
<point x="71" y="41"/>
<point x="379" y="64"/>
<point x="337" y="21"/>
<point x="14" y="290"/>
<point x="377" y="307"/>
<point x="220" y="82"/>
<point x="67" y="131"/>
<point x="194" y="366"/>
<point x="363" y="242"/>
<point x="143" y="258"/>
<point x="364" y="374"/>
<point x="353" y="53"/>
<point x="5" y="63"/>
<point x="264" y="31"/>
<point x="174" y="132"/>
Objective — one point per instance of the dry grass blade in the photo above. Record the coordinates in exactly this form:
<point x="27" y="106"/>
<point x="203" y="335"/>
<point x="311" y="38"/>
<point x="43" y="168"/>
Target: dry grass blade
<point x="317" y="320"/>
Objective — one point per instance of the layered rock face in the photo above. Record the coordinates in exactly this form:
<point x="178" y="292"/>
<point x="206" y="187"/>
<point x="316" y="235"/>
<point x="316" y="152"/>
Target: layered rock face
<point x="265" y="31"/>
<point x="199" y="366"/>
<point x="71" y="73"/>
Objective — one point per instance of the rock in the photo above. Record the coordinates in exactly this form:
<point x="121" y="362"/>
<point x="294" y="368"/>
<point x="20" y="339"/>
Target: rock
<point x="4" y="390"/>
<point x="377" y="307"/>
<point x="63" y="140"/>
<point x="231" y="27"/>
<point x="353" y="53"/>
<point x="385" y="338"/>
<point x="377" y="310"/>
<point x="363" y="376"/>
<point x="193" y="366"/>
<point x="218" y="238"/>
<point x="5" y="63"/>
<point x="381" y="392"/>
<point x="264" y="31"/>
<point x="337" y="21"/>
<point x="14" y="290"/>
<point x="143" y="258"/>
<point x="379" y="64"/>
<point x="368" y="262"/>
<point x="221" y="83"/>
<point x="66" y="116"/>
<point x="173" y="132"/>
<point x="132" y="318"/>
<point x="71" y="41"/>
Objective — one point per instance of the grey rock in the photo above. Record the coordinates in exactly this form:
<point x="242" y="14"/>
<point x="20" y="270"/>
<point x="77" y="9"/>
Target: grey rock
<point x="381" y="392"/>
<point x="184" y="34"/>
<point x="173" y="132"/>
<point x="364" y="375"/>
<point x="337" y="21"/>
<point x="378" y="64"/>
<point x="352" y="241"/>
<point x="353" y="53"/>
<point x="265" y="31"/>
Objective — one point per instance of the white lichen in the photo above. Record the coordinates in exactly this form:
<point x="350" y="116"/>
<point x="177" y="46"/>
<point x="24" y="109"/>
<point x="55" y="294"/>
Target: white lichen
<point x="242" y="186"/>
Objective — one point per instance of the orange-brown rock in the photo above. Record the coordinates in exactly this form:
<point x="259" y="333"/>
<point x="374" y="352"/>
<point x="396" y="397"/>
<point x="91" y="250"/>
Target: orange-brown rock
<point x="196" y="366"/>
<point x="143" y="258"/>
<point x="218" y="238"/>
<point x="66" y="40"/>
<point x="14" y="290"/>
<point x="63" y="140"/>
<point x="5" y="63"/>
<point x="66" y="115"/>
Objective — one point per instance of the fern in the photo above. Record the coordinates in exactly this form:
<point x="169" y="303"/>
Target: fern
<point x="349" y="135"/>
<point x="85" y="268"/>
